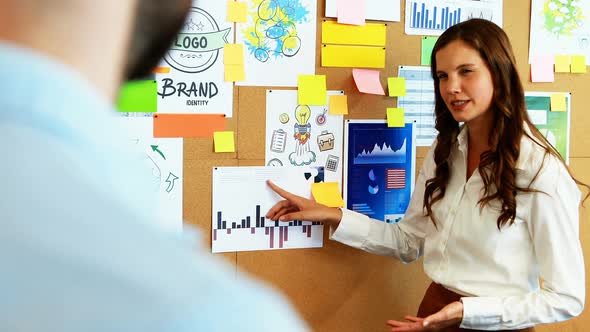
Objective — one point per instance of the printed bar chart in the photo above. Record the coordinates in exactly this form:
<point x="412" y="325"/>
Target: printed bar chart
<point x="433" y="17"/>
<point x="241" y="199"/>
<point x="430" y="17"/>
<point x="268" y="227"/>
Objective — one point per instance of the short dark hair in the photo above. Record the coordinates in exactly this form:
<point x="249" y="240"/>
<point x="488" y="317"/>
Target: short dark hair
<point x="156" y="25"/>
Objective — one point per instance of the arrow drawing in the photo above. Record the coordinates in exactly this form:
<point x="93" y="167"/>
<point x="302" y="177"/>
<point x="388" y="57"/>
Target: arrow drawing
<point x="171" y="178"/>
<point x="155" y="149"/>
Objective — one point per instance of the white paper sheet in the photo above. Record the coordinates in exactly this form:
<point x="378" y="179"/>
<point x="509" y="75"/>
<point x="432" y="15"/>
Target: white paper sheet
<point x="279" y="41"/>
<point x="418" y="103"/>
<point x="196" y="82"/>
<point x="285" y="119"/>
<point x="164" y="156"/>
<point x="432" y="17"/>
<point x="241" y="199"/>
<point x="560" y="29"/>
<point x="379" y="10"/>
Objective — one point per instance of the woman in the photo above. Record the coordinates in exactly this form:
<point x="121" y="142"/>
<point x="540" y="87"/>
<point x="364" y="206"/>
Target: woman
<point x="495" y="208"/>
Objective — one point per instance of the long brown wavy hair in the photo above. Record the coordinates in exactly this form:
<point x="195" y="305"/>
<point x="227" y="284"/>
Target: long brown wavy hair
<point x="497" y="165"/>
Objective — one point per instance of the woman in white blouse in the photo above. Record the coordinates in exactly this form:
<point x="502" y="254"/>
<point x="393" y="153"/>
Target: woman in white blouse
<point x="495" y="207"/>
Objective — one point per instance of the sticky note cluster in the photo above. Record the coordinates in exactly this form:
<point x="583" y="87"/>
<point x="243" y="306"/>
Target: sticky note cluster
<point x="544" y="67"/>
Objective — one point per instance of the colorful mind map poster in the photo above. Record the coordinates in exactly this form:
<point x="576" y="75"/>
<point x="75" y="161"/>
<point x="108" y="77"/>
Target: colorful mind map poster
<point x="380" y="168"/>
<point x="302" y="135"/>
<point x="279" y="41"/>
<point x="555" y="126"/>
<point x="560" y="27"/>
<point x="191" y="79"/>
<point x="241" y="199"/>
<point x="164" y="158"/>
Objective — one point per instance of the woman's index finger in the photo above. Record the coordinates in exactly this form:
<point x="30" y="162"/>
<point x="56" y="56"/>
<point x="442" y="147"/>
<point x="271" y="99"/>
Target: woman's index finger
<point x="282" y="192"/>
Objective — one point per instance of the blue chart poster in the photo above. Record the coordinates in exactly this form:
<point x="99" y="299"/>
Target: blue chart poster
<point x="380" y="168"/>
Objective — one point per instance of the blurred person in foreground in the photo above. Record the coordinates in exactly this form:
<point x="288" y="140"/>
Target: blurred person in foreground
<point x="78" y="245"/>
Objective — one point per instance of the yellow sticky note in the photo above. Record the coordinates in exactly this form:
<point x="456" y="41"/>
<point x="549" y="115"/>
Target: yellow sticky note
<point x="396" y="86"/>
<point x="312" y="90"/>
<point x="327" y="193"/>
<point x="224" y="141"/>
<point x="233" y="54"/>
<point x="237" y="11"/>
<point x="395" y="117"/>
<point x="234" y="73"/>
<point x="578" y="64"/>
<point x="562" y="63"/>
<point x="353" y="56"/>
<point x="370" y="34"/>
<point x="558" y="102"/>
<point x="338" y="105"/>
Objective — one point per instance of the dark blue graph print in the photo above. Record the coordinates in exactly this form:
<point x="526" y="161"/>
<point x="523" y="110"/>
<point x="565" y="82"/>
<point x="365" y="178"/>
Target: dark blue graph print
<point x="430" y="17"/>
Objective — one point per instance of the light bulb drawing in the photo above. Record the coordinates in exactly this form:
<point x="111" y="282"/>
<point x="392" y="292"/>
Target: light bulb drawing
<point x="302" y="132"/>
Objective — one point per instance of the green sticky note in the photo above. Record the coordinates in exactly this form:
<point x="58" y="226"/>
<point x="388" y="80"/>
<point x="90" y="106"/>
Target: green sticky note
<point x="224" y="141"/>
<point x="396" y="86"/>
<point x="327" y="193"/>
<point x="312" y="90"/>
<point x="395" y="117"/>
<point x="138" y="96"/>
<point x="578" y="64"/>
<point x="562" y="63"/>
<point x="427" y="46"/>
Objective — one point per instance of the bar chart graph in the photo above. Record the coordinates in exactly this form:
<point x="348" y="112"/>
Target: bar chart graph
<point x="241" y="199"/>
<point x="253" y="230"/>
<point x="432" y="17"/>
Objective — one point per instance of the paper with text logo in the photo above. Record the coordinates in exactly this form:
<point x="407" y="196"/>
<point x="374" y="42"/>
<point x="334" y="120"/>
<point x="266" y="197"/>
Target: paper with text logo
<point x="196" y="81"/>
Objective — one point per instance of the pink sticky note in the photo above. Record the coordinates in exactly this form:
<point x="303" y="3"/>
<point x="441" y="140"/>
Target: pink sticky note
<point x="351" y="11"/>
<point x="542" y="69"/>
<point x="367" y="81"/>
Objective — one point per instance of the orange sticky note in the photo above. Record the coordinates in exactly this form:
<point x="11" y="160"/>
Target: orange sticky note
<point x="338" y="104"/>
<point x="224" y="141"/>
<point x="562" y="63"/>
<point x="161" y="70"/>
<point x="187" y="125"/>
<point x="327" y="193"/>
<point x="558" y="102"/>
<point x="396" y="86"/>
<point x="579" y="64"/>
<point x="312" y="90"/>
<point x="234" y="73"/>
<point x="395" y="117"/>
<point x="233" y="54"/>
<point x="542" y="69"/>
<point x="351" y="11"/>
<point x="367" y="81"/>
<point x="237" y="11"/>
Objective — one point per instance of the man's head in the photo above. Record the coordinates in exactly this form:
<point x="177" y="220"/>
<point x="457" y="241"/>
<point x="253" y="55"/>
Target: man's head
<point x="157" y="23"/>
